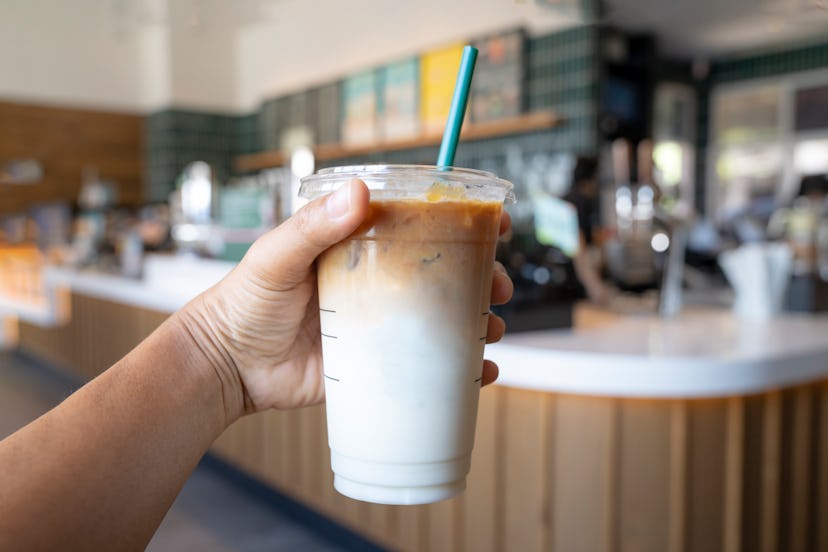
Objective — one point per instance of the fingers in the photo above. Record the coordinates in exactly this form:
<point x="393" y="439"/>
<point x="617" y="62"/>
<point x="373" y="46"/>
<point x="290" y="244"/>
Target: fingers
<point x="490" y="372"/>
<point x="505" y="222"/>
<point x="495" y="329"/>
<point x="287" y="252"/>
<point x="502" y="286"/>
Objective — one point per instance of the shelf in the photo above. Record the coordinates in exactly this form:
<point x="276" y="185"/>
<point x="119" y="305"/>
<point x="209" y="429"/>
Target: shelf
<point x="528" y="122"/>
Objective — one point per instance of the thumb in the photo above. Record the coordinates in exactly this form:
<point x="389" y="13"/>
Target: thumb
<point x="284" y="255"/>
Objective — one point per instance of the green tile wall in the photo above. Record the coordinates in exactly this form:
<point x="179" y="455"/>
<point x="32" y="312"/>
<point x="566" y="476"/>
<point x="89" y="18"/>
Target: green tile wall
<point x="317" y="108"/>
<point x="246" y="134"/>
<point x="769" y="64"/>
<point x="176" y="137"/>
<point x="562" y="75"/>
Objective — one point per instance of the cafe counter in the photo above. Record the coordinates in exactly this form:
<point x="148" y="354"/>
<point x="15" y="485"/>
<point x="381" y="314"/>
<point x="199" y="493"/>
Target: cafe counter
<point x="698" y="433"/>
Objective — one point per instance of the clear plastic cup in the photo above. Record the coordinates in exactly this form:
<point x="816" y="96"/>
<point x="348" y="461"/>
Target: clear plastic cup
<point x="404" y="307"/>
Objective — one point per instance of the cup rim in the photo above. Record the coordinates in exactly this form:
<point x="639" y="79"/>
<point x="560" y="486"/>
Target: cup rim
<point x="368" y="172"/>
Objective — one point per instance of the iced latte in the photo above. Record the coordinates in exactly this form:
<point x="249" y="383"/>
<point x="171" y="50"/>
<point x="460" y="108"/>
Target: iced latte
<point x="404" y="306"/>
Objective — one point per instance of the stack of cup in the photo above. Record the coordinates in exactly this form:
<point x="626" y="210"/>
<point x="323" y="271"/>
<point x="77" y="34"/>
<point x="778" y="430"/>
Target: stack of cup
<point x="759" y="274"/>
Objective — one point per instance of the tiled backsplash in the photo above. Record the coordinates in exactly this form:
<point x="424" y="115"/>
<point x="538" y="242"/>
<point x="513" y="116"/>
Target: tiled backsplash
<point x="246" y="134"/>
<point x="563" y="76"/>
<point x="176" y="137"/>
<point x="766" y="65"/>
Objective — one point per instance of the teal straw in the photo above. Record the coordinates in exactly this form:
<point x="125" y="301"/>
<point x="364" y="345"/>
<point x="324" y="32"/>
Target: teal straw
<point x="451" y="135"/>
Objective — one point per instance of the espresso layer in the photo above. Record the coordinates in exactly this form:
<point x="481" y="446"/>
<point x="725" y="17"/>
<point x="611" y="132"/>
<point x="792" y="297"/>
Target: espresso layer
<point x="404" y="309"/>
<point x="448" y="221"/>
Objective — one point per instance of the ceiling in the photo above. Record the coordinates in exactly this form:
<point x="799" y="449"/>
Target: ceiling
<point x="704" y="28"/>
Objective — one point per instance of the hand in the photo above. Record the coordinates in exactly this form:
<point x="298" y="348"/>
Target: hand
<point x="259" y="327"/>
<point x="601" y="293"/>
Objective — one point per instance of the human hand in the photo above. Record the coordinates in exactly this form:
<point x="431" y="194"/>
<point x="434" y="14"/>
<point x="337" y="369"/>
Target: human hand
<point x="601" y="293"/>
<point x="259" y="327"/>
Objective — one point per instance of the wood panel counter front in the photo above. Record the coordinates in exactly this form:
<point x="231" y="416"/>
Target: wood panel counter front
<point x="550" y="470"/>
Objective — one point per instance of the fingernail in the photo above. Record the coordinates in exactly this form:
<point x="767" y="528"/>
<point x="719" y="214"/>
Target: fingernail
<point x="339" y="202"/>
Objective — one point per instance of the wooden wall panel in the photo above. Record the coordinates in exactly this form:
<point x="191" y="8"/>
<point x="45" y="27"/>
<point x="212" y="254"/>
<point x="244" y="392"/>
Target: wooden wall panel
<point x="413" y="527"/>
<point x="642" y="507"/>
<point x="771" y="459"/>
<point x="799" y="470"/>
<point x="819" y="516"/>
<point x="705" y="484"/>
<point x="676" y="411"/>
<point x="270" y="446"/>
<point x="313" y="449"/>
<point x="290" y="438"/>
<point x="482" y="519"/>
<point x="525" y="525"/>
<point x="734" y="462"/>
<point x="99" y="334"/>
<point x="443" y="525"/>
<point x="584" y="474"/>
<point x="752" y="471"/>
<point x="66" y="141"/>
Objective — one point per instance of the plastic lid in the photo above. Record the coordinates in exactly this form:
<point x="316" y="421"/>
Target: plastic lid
<point x="411" y="182"/>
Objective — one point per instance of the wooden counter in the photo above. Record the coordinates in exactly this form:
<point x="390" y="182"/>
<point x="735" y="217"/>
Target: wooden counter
<point x="550" y="471"/>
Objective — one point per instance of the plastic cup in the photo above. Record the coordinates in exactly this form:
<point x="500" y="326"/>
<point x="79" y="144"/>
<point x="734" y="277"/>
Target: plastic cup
<point x="404" y="307"/>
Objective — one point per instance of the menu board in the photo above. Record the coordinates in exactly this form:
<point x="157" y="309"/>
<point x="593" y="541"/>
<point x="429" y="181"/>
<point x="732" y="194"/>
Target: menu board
<point x="811" y="108"/>
<point x="360" y="106"/>
<point x="327" y="116"/>
<point x="497" y="87"/>
<point x="438" y="73"/>
<point x="400" y="109"/>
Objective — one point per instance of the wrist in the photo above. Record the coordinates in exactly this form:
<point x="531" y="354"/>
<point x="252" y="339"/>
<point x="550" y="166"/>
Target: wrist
<point x="198" y="323"/>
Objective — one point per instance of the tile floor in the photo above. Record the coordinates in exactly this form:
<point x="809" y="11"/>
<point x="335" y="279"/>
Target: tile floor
<point x="210" y="515"/>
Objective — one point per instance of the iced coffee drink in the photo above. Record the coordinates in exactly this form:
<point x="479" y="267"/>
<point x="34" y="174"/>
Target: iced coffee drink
<point x="404" y="306"/>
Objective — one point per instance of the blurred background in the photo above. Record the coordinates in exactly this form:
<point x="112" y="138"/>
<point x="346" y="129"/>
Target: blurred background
<point x="110" y="108"/>
<point x="668" y="158"/>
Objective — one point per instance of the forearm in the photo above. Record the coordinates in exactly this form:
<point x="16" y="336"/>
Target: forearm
<point x="588" y="274"/>
<point x="101" y="470"/>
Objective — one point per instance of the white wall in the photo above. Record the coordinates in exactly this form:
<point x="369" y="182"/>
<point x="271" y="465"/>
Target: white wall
<point x="233" y="55"/>
<point x="203" y="55"/>
<point x="64" y="53"/>
<point x="306" y="42"/>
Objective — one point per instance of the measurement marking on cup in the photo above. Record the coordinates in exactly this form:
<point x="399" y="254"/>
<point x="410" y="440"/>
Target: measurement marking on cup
<point x="484" y="313"/>
<point x="330" y="378"/>
<point x="331" y="336"/>
<point x="478" y="379"/>
<point x="326" y="310"/>
<point x="483" y="338"/>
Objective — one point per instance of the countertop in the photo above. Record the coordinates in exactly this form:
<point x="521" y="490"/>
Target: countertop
<point x="700" y="353"/>
<point x="169" y="282"/>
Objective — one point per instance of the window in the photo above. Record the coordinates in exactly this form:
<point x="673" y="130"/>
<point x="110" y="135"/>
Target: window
<point x="747" y="115"/>
<point x="764" y="136"/>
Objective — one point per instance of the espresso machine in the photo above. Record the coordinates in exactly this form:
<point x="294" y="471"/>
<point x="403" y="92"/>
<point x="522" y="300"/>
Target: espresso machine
<point x="629" y="213"/>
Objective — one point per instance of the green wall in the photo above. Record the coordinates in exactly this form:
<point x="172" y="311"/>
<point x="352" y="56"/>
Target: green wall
<point x="562" y="75"/>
